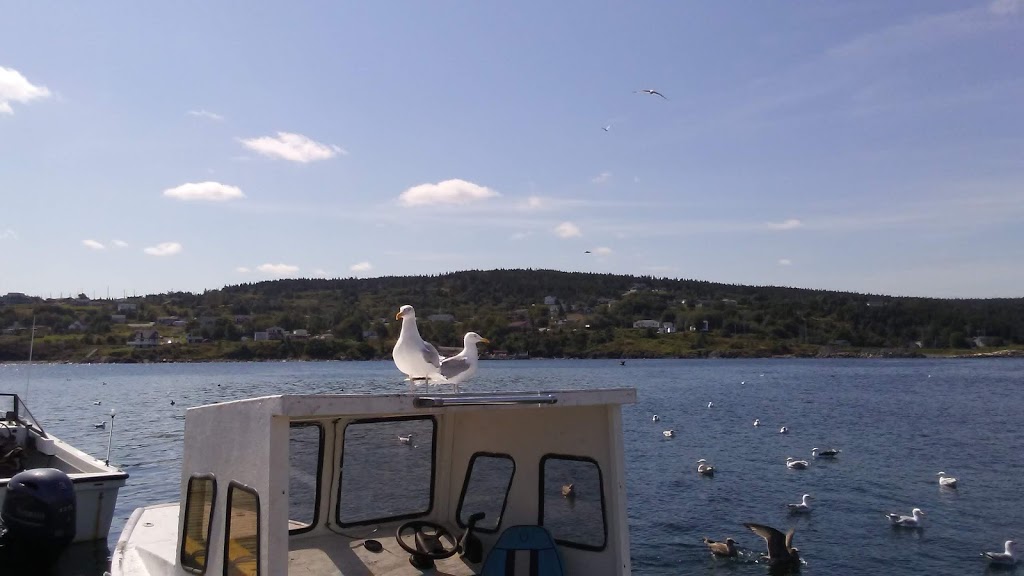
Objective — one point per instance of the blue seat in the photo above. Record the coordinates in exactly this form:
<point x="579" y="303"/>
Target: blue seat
<point x="524" y="550"/>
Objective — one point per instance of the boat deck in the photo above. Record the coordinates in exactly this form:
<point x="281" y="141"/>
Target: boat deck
<point x="337" y="555"/>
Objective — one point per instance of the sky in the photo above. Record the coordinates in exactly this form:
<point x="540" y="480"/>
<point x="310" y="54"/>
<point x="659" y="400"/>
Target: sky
<point x="865" y="146"/>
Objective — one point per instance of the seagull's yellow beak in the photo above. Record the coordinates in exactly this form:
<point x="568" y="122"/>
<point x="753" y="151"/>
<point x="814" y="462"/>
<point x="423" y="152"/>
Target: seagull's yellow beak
<point x="485" y="340"/>
<point x="398" y="316"/>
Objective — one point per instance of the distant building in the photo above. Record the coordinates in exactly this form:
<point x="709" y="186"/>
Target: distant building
<point x="127" y="306"/>
<point x="145" y="339"/>
<point x="667" y="328"/>
<point x="550" y="300"/>
<point x="118" y="318"/>
<point x="646" y="324"/>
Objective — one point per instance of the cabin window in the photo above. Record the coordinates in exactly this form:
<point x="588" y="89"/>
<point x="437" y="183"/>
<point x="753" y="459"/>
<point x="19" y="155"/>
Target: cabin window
<point x="195" y="542"/>
<point x="242" y="532"/>
<point x="305" y="451"/>
<point x="576" y="519"/>
<point x="488" y="480"/>
<point x="387" y="470"/>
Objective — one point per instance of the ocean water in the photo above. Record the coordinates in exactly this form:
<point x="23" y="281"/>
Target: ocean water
<point x="897" y="422"/>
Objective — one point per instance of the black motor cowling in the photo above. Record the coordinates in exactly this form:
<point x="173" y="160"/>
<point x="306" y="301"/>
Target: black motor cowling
<point x="39" y="509"/>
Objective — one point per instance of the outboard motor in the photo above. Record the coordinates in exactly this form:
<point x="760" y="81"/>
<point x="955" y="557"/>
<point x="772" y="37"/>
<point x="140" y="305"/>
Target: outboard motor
<point x="39" y="510"/>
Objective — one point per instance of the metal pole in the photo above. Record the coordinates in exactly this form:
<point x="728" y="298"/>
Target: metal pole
<point x="110" y="437"/>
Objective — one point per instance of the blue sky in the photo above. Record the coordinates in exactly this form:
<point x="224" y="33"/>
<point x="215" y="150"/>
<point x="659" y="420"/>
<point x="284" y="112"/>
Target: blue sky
<point x="863" y="146"/>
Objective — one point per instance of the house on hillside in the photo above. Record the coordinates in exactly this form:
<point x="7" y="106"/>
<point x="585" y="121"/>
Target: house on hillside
<point x="667" y="328"/>
<point x="550" y="300"/>
<point x="144" y="339"/>
<point x="646" y="324"/>
<point x="127" y="306"/>
<point x="118" y="318"/>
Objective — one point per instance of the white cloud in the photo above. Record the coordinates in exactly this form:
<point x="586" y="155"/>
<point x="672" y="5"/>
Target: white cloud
<point x="93" y="244"/>
<point x="16" y="88"/>
<point x="206" y="114"/>
<point x="361" y="267"/>
<point x="785" y="262"/>
<point x="242" y="270"/>
<point x="211" y="191"/>
<point x="534" y="203"/>
<point x="602" y="178"/>
<point x="292" y="147"/>
<point x="790" y="224"/>
<point x="278" y="269"/>
<point x="8" y="233"/>
<point x="1004" y="7"/>
<point x="163" y="249"/>
<point x="455" y="191"/>
<point x="602" y="251"/>
<point x="319" y="272"/>
<point x="567" y="230"/>
<point x="120" y="243"/>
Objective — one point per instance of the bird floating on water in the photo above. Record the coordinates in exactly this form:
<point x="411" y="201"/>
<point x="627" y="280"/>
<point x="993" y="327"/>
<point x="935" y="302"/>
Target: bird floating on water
<point x="795" y="464"/>
<point x="710" y="404"/>
<point x="705" y="469"/>
<point x="416" y="359"/>
<point x="783" y="430"/>
<point x="1008" y="557"/>
<point x="655" y="418"/>
<point x="461" y="367"/>
<point x="100" y="425"/>
<point x="781" y="551"/>
<point x="97" y="403"/>
<point x="725" y="549"/>
<point x="912" y="521"/>
<point x="650" y="92"/>
<point x="669" y="433"/>
<point x="803" y="506"/>
<point x="829" y="453"/>
<point x="757" y="422"/>
<point x="405" y="439"/>
<point x="947" y="481"/>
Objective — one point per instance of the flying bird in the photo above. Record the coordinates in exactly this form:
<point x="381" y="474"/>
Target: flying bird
<point x="586" y="251"/>
<point x="1006" y="558"/>
<point x="606" y="128"/>
<point x="463" y="365"/>
<point x="725" y="549"/>
<point x="416" y="359"/>
<point x="651" y="92"/>
<point x="780" y="546"/>
<point x="912" y="521"/>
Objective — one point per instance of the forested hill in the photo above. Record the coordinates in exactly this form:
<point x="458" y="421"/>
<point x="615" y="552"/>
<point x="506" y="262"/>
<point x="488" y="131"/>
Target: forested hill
<point x="529" y="312"/>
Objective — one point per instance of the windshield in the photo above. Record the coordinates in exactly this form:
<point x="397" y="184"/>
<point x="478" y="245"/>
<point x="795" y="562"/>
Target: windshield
<point x="12" y="409"/>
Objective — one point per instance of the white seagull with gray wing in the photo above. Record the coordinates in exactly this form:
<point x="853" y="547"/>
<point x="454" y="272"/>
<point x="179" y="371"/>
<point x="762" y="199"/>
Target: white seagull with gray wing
<point x="416" y="359"/>
<point x="461" y="367"/>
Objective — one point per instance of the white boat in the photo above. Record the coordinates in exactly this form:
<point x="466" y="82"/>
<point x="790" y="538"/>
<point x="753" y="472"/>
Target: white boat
<point x="322" y="485"/>
<point x="24" y="445"/>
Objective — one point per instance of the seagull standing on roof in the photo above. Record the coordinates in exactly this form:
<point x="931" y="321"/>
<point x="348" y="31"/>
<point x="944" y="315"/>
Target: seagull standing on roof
<point x="462" y="366"/>
<point x="416" y="359"/>
<point x="651" y="92"/>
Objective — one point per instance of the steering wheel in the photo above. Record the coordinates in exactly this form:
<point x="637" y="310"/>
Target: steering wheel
<point x="439" y="531"/>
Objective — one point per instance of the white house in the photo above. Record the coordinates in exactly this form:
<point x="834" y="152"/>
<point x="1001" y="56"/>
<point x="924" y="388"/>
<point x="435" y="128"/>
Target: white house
<point x="145" y="339"/>
<point x="667" y="328"/>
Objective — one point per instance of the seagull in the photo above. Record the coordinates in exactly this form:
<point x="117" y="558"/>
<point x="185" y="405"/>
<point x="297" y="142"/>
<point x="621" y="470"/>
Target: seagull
<point x="655" y="418"/>
<point x="669" y="433"/>
<point x="780" y="546"/>
<point x="606" y="128"/>
<point x="803" y="506"/>
<point x="725" y="549"/>
<point x="650" y="92"/>
<point x="912" y="521"/>
<point x="710" y="404"/>
<point x="830" y="453"/>
<point x="462" y="366"/>
<point x="569" y="490"/>
<point x="1006" y="558"/>
<point x="705" y="469"/>
<point x="405" y="439"/>
<point x="947" y="481"/>
<point x="417" y="359"/>
<point x="586" y="251"/>
<point x="783" y="430"/>
<point x="100" y="425"/>
<point x="796" y="464"/>
<point x="757" y="422"/>
<point x="97" y="403"/>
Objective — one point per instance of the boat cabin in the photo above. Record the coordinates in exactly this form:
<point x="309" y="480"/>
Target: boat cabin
<point x="361" y="485"/>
